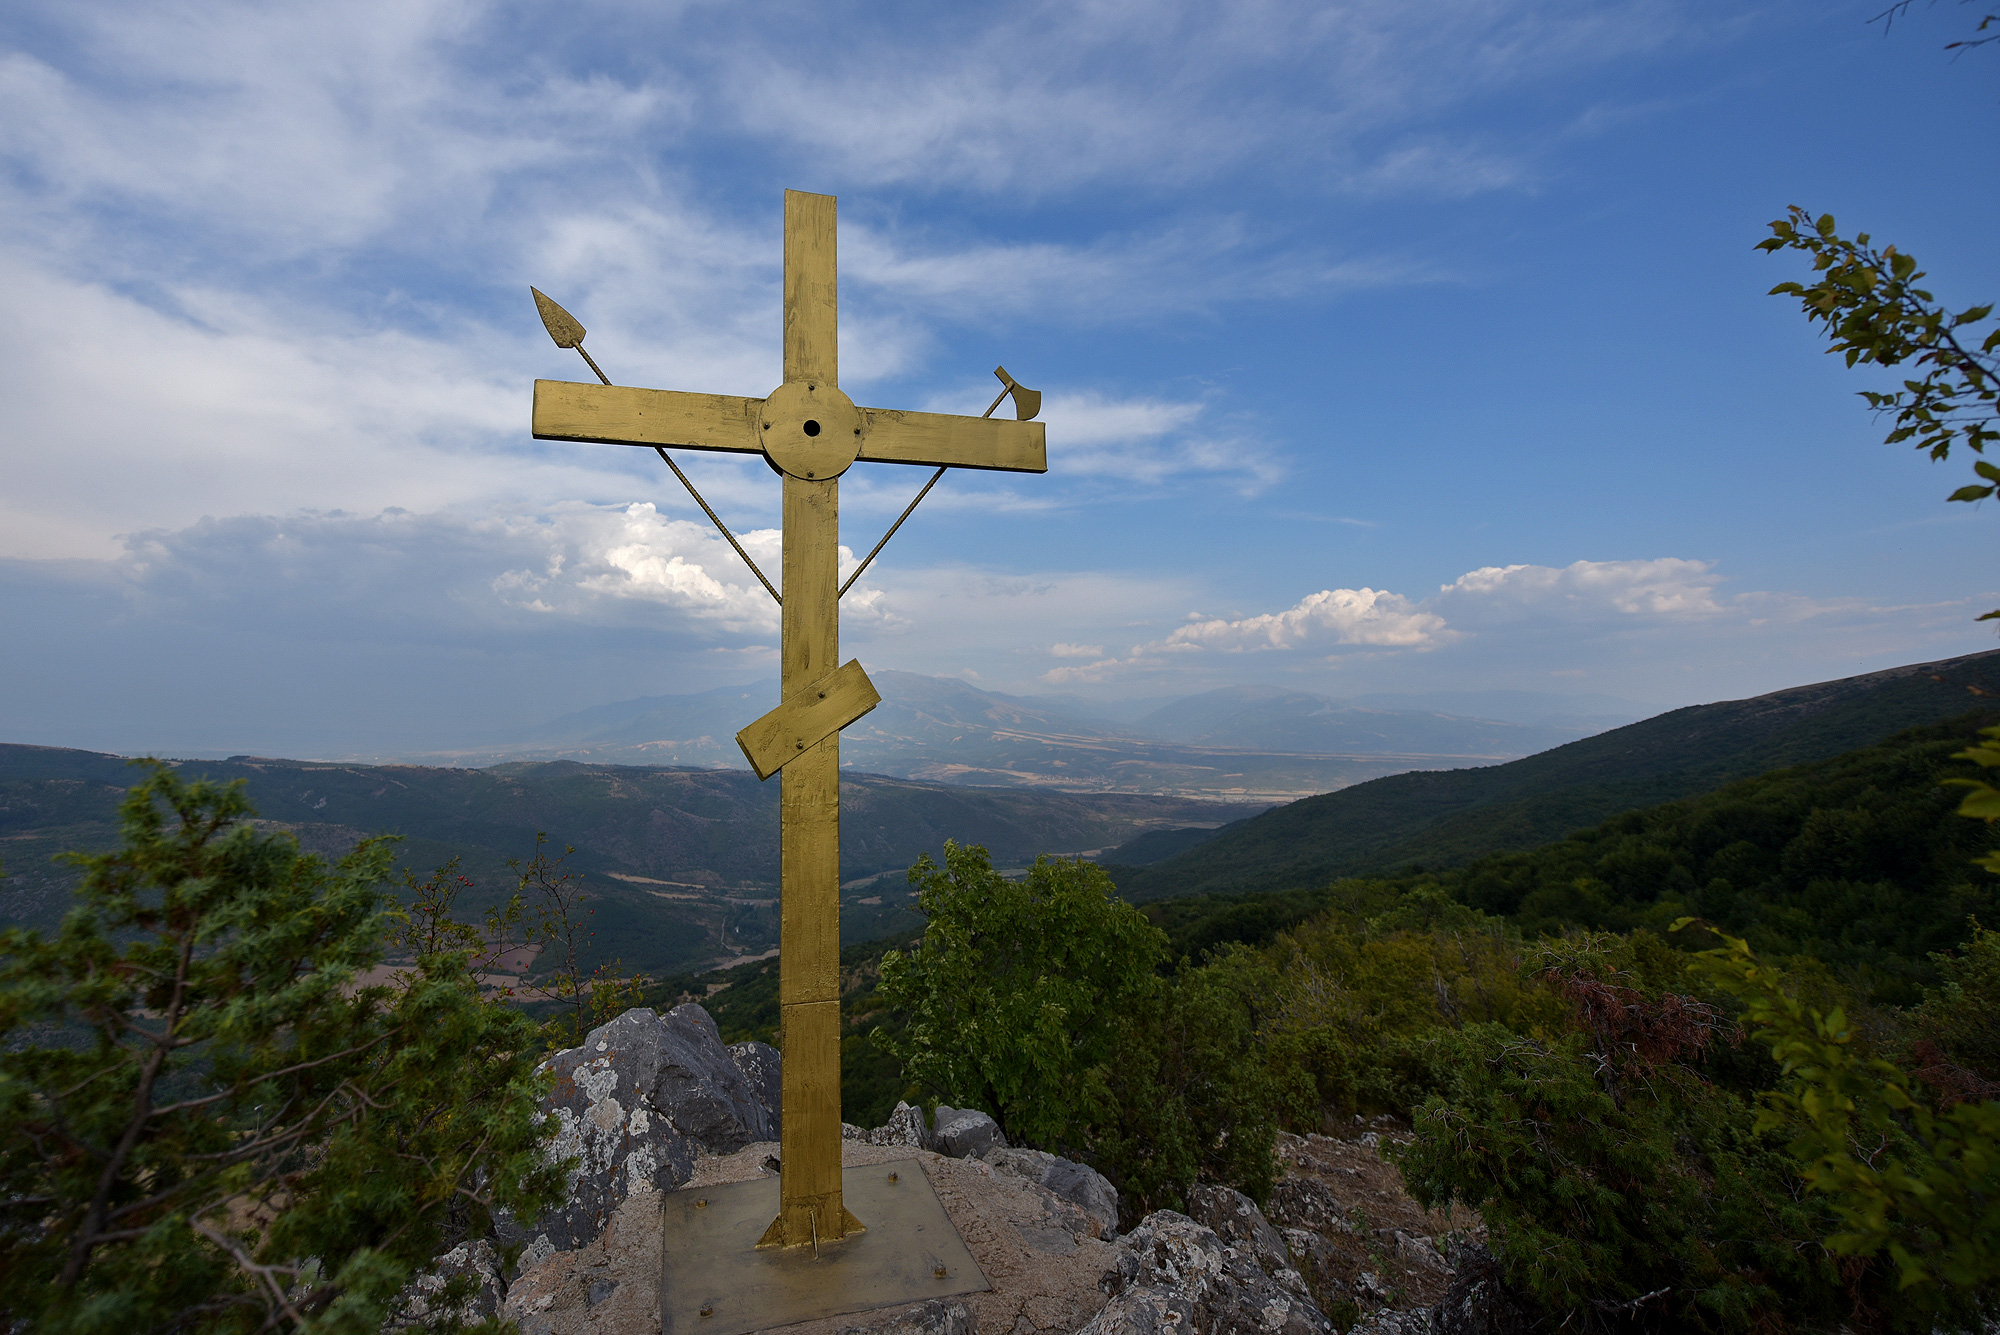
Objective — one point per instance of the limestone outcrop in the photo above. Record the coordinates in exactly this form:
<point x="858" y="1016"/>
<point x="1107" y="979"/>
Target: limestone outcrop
<point x="650" y="1103"/>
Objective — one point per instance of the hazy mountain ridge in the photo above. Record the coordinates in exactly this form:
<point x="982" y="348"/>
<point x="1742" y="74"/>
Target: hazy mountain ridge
<point x="1237" y="743"/>
<point x="1447" y="817"/>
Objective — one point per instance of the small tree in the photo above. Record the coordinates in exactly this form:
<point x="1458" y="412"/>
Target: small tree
<point x="547" y="907"/>
<point x="212" y="1123"/>
<point x="1017" y="990"/>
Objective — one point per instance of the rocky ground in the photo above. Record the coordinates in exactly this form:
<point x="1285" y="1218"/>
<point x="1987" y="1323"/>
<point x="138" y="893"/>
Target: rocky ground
<point x="651" y="1104"/>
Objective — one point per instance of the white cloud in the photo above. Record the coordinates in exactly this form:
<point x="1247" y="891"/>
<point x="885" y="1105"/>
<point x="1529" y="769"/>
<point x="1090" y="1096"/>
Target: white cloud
<point x="1667" y="587"/>
<point x="1076" y="650"/>
<point x="1369" y="617"/>
<point x="260" y="259"/>
<point x="1531" y="621"/>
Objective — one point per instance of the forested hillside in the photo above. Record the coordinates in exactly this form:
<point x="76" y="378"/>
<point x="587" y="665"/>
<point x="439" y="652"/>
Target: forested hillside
<point x="1447" y="818"/>
<point x="1859" y="861"/>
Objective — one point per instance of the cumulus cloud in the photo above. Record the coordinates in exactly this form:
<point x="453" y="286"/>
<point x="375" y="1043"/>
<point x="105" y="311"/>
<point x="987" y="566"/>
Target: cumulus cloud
<point x="1369" y="617"/>
<point x="1515" y="614"/>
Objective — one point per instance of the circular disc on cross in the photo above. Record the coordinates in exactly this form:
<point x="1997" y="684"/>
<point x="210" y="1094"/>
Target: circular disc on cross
<point x="810" y="430"/>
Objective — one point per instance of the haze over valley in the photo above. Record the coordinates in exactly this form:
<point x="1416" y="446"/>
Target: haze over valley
<point x="1253" y="744"/>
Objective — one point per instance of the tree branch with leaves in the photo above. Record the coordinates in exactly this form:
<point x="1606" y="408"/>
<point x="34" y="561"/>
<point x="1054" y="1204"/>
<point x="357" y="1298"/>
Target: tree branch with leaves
<point x="1873" y="310"/>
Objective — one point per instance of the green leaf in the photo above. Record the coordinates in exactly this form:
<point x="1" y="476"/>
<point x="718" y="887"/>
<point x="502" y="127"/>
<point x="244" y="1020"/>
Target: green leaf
<point x="1970" y="493"/>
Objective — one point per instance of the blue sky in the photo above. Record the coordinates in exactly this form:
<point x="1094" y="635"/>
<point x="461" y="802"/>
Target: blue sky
<point x="1387" y="347"/>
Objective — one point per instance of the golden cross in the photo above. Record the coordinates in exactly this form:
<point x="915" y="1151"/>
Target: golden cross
<point x="811" y="432"/>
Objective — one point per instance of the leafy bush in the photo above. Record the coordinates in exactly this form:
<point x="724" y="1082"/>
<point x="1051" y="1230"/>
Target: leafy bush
<point x="1358" y="1002"/>
<point x="214" y="1123"/>
<point x="1620" y="1187"/>
<point x="1960" y="1017"/>
<point x="1194" y="1093"/>
<point x="1043" y="1003"/>
<point x="1921" y="1186"/>
<point x="1016" y="991"/>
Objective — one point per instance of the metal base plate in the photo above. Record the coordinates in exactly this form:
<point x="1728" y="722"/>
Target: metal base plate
<point x="718" y="1281"/>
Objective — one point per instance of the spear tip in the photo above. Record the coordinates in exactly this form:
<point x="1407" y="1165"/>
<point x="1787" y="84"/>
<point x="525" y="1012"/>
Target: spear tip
<point x="562" y="326"/>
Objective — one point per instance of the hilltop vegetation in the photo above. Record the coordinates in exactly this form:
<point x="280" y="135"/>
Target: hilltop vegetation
<point x="1799" y="1133"/>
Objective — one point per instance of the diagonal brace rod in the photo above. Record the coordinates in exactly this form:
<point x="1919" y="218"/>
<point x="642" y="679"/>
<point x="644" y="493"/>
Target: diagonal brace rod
<point x="721" y="527"/>
<point x="899" y="519"/>
<point x="890" y="534"/>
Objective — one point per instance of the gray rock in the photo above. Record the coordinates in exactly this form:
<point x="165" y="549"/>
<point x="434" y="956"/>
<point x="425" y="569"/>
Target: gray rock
<point x="600" y="1289"/>
<point x="1418" y="1250"/>
<point x="421" y="1302"/>
<point x="1144" y="1310"/>
<point x="905" y="1128"/>
<point x="763" y="1066"/>
<point x="964" y="1133"/>
<point x="702" y="1088"/>
<point x="1079" y="1184"/>
<point x="1386" y="1322"/>
<point x="633" y="1105"/>
<point x="1319" y="1263"/>
<point x="1238" y="1222"/>
<point x="1479" y="1301"/>
<point x="940" y="1316"/>
<point x="1225" y="1290"/>
<point x="1307" y="1203"/>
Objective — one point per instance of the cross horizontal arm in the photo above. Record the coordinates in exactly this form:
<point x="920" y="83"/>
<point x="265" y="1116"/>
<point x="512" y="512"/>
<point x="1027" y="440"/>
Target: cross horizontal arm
<point x="890" y="436"/>
<point x="622" y="415"/>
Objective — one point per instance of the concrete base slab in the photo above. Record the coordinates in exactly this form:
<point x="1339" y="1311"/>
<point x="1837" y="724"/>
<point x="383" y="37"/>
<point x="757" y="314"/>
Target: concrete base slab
<point x="715" y="1280"/>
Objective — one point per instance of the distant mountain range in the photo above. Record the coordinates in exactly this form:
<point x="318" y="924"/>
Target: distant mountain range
<point x="1243" y="743"/>
<point x="683" y="863"/>
<point x="1436" y="817"/>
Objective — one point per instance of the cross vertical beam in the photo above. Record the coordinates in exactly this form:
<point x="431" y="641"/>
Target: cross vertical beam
<point x="810" y="1207"/>
<point x="810" y="432"/>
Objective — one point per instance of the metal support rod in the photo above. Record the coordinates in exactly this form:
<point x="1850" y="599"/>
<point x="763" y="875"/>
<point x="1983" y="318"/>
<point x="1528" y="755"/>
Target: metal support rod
<point x="907" y="511"/>
<point x="720" y="527"/>
<point x="891" y="533"/>
<point x="605" y="378"/>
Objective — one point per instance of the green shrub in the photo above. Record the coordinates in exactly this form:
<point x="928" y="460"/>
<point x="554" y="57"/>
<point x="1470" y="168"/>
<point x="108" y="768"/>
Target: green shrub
<point x="212" y="1123"/>
<point x="1902" y="1180"/>
<point x="1017" y="992"/>
<point x="1619" y="1187"/>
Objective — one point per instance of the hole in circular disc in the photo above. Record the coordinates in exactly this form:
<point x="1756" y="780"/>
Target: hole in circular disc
<point x="812" y="427"/>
